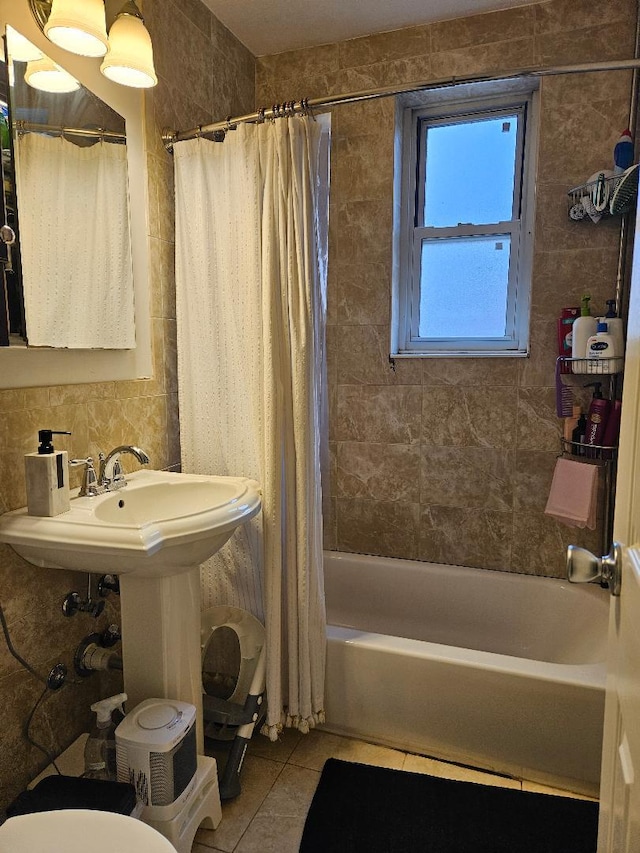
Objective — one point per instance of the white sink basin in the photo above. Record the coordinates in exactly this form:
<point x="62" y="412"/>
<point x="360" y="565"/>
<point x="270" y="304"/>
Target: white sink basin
<point x="159" y="524"/>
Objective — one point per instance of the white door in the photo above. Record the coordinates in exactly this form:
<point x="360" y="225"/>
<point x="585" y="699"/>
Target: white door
<point x="619" y="830"/>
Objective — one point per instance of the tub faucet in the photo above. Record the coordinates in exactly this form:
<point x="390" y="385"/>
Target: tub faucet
<point x="111" y="476"/>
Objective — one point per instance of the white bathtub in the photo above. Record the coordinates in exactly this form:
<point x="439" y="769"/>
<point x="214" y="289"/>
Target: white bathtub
<point x="490" y="669"/>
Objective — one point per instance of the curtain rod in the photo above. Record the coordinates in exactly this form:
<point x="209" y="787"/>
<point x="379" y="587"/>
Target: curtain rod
<point x="290" y="108"/>
<point x="22" y="126"/>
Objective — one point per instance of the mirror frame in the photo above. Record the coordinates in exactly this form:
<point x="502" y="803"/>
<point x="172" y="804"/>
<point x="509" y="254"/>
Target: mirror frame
<point x="25" y="367"/>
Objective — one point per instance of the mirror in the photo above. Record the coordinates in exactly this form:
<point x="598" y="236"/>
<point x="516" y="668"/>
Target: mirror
<point x="20" y="365"/>
<point x="68" y="277"/>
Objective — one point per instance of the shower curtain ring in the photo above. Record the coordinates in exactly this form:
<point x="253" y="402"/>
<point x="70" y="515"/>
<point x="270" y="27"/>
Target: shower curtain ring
<point x="261" y="115"/>
<point x="229" y="125"/>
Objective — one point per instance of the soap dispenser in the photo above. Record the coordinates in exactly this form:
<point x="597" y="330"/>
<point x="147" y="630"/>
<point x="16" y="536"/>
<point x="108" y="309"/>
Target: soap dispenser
<point x="47" y="477"/>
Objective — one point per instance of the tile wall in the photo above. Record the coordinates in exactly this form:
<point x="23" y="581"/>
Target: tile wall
<point x="204" y="72"/>
<point x="451" y="460"/>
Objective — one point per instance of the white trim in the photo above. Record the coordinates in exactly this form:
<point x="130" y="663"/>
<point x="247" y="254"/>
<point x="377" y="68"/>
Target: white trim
<point x="408" y="234"/>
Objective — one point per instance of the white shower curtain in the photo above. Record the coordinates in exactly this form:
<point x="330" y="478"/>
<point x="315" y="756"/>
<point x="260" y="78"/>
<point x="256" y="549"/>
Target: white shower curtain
<point x="75" y="243"/>
<point x="251" y="277"/>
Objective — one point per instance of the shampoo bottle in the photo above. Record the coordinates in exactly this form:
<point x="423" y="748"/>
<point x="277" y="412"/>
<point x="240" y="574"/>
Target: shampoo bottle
<point x="47" y="477"/>
<point x="596" y="419"/>
<point x="583" y="327"/>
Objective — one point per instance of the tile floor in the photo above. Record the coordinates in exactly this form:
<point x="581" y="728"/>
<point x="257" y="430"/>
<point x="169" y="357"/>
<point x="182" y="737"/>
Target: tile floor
<point x="279" y="780"/>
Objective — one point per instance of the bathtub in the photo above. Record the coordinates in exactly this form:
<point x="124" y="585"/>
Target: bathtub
<point x="489" y="669"/>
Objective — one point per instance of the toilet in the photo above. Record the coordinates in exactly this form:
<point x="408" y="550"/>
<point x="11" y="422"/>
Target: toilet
<point x="79" y="831"/>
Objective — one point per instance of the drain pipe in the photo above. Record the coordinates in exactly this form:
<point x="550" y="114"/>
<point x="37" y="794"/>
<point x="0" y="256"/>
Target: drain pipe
<point x="92" y="656"/>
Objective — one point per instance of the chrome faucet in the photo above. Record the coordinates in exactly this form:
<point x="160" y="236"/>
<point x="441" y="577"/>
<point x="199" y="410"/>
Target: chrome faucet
<point x="111" y="476"/>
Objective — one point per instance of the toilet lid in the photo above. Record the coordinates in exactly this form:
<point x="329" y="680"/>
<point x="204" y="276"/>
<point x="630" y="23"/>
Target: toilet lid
<point x="80" y="831"/>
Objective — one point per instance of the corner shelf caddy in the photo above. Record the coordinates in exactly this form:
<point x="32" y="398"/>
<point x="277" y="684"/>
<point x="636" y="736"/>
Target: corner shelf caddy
<point x="607" y="195"/>
<point x="578" y="372"/>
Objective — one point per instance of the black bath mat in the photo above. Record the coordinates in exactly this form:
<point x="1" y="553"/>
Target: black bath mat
<point x="362" y="809"/>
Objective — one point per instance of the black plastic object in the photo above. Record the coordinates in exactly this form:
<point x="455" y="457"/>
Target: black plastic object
<point x="73" y="792"/>
<point x="45" y="436"/>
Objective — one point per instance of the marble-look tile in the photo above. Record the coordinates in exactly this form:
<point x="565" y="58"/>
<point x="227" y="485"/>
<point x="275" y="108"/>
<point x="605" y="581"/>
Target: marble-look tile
<point x="362" y="355"/>
<point x="382" y="47"/>
<point x="539" y="427"/>
<point x="378" y="471"/>
<point x="362" y="294"/>
<point x="296" y="65"/>
<point x="329" y="524"/>
<point x="278" y="825"/>
<point x="474" y="372"/>
<point x="470" y="477"/>
<point x="604" y="41"/>
<point x="555" y="230"/>
<point x="482" y="29"/>
<point x="540" y="544"/>
<point x="17" y="399"/>
<point x="379" y="413"/>
<point x="387" y="528"/>
<point x="279" y="750"/>
<point x="563" y="15"/>
<point x="364" y="229"/>
<point x="173" y="431"/>
<point x="362" y="165"/>
<point x="562" y="277"/>
<point x="465" y="537"/>
<point x="539" y="368"/>
<point x="137" y="420"/>
<point x="484" y="58"/>
<point x="315" y="748"/>
<point x="463" y="416"/>
<point x="532" y="479"/>
<point x="457" y="772"/>
<point x="258" y="777"/>
<point x="350" y="119"/>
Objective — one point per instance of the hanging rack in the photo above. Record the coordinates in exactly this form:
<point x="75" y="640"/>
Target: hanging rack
<point x="98" y="133"/>
<point x="308" y="105"/>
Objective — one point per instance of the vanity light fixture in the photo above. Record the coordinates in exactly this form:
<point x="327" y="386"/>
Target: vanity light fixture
<point x="20" y="48"/>
<point x="129" y="60"/>
<point x="79" y="26"/>
<point x="45" y="75"/>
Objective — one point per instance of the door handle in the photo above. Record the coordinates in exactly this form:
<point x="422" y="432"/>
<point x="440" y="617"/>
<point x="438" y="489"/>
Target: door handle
<point x="585" y="567"/>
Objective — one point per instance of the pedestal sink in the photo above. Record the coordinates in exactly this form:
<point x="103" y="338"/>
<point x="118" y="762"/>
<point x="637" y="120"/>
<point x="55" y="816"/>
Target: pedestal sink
<point x="154" y="534"/>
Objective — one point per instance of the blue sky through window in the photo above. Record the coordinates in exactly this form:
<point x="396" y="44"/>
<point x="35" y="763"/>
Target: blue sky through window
<point x="469" y="174"/>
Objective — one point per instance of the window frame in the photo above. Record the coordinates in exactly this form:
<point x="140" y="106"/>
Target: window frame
<point x="440" y="107"/>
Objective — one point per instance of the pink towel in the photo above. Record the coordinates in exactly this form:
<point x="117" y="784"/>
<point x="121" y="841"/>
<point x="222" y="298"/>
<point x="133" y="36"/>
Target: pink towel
<point x="574" y="494"/>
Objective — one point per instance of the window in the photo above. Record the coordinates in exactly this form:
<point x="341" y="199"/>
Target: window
<point x="465" y="233"/>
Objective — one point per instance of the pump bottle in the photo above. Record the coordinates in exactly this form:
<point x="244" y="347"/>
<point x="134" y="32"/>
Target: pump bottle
<point x="100" y="748"/>
<point x="47" y="477"/>
<point x="583" y="327"/>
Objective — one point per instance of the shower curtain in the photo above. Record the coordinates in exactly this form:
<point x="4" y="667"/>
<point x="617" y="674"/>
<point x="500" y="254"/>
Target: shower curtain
<point x="75" y="243"/>
<point x="251" y="243"/>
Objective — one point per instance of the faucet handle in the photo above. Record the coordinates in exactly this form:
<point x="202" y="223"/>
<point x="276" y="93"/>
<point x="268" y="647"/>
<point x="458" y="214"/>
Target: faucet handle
<point x="89" y="485"/>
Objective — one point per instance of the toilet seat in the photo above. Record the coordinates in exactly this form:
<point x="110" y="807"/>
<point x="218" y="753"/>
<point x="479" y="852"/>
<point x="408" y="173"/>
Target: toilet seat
<point x="80" y="831"/>
<point x="250" y="634"/>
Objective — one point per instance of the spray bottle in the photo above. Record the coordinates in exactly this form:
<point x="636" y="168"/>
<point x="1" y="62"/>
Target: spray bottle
<point x="100" y="748"/>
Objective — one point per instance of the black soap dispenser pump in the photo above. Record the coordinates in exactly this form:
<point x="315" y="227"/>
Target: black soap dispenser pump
<point x="47" y="477"/>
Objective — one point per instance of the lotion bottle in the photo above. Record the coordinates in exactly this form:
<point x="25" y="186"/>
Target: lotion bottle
<point x="47" y="477"/>
<point x="601" y="352"/>
<point x="584" y="326"/>
<point x="615" y="328"/>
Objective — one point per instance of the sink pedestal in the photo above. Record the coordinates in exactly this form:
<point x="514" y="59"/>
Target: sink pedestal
<point x="161" y="640"/>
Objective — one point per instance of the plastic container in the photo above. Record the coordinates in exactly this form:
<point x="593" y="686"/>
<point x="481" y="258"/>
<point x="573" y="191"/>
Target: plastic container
<point x="100" y="748"/>
<point x="602" y="353"/>
<point x="584" y="326"/>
